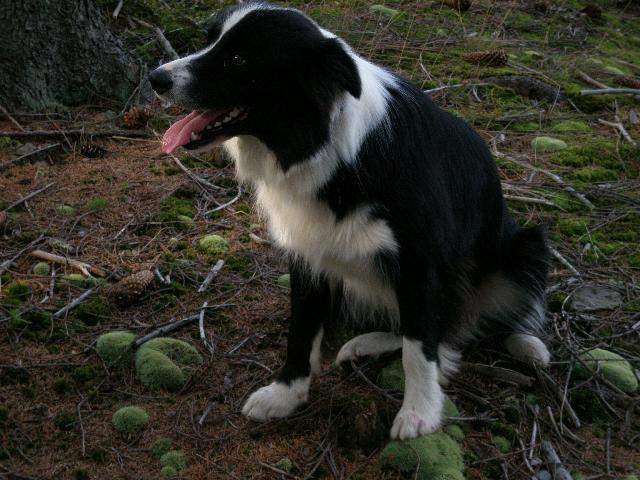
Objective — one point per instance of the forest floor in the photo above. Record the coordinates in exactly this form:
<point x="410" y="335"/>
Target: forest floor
<point x="131" y="209"/>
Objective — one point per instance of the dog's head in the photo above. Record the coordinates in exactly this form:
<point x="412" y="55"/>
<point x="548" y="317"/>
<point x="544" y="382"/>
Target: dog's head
<point x="266" y="71"/>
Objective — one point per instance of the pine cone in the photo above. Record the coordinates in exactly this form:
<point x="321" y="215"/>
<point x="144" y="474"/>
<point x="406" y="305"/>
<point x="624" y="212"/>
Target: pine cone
<point x="131" y="287"/>
<point x="91" y="150"/>
<point x="136" y="116"/>
<point x="630" y="82"/>
<point x="459" y="5"/>
<point x="491" y="58"/>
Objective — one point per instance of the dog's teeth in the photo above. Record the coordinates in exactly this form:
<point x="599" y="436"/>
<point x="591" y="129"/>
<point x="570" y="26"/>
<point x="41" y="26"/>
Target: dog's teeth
<point x="226" y="119"/>
<point x="235" y="112"/>
<point x="217" y="124"/>
<point x="195" y="136"/>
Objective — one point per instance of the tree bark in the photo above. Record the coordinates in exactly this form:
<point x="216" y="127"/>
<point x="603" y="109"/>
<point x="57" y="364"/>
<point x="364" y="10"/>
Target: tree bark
<point x="60" y="52"/>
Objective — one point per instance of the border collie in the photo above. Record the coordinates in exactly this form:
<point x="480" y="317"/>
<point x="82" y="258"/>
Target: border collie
<point x="384" y="203"/>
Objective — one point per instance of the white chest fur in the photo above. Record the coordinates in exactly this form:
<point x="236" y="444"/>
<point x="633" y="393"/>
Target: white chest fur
<point x="343" y="249"/>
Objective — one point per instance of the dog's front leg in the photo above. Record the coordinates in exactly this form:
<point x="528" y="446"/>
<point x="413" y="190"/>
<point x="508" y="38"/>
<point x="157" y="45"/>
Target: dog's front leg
<point x="420" y="317"/>
<point x="310" y="307"/>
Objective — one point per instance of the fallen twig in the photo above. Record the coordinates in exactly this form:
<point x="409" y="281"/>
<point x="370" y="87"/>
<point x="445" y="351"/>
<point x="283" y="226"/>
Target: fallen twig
<point x="213" y="273"/>
<point x="555" y="464"/>
<point x="618" y="126"/>
<point x="166" y="329"/>
<point x="13" y="161"/>
<point x="165" y="44"/>
<point x="259" y="240"/>
<point x="541" y="201"/>
<point x="203" y="335"/>
<point x="611" y="91"/>
<point x="498" y="373"/>
<point x="7" y="263"/>
<point x="564" y="261"/>
<point x="28" y="197"/>
<point x="77" y="301"/>
<point x="13" y="120"/>
<point x="116" y="11"/>
<point x="227" y="204"/>
<point x="85" y="268"/>
<point x="564" y="404"/>
<point x="590" y="80"/>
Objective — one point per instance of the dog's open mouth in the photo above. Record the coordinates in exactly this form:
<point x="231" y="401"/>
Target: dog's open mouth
<point x="201" y="127"/>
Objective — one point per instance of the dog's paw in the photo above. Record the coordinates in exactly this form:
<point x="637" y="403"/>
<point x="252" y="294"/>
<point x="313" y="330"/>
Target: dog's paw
<point x="411" y="424"/>
<point x="277" y="400"/>
<point x="368" y="345"/>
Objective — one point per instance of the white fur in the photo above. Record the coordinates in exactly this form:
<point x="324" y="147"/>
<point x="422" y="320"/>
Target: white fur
<point x="421" y="411"/>
<point x="276" y="400"/>
<point x="368" y="345"/>
<point x="316" y="353"/>
<point x="449" y="361"/>
<point x="528" y="349"/>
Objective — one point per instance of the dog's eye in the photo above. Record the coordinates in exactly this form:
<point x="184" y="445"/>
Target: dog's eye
<point x="236" y="61"/>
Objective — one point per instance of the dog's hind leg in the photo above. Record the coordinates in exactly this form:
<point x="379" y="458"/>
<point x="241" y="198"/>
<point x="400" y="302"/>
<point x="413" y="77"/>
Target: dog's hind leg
<point x="370" y="344"/>
<point x="310" y="307"/>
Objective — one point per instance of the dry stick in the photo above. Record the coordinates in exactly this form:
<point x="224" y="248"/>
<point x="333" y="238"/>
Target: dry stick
<point x="369" y="382"/>
<point x="555" y="465"/>
<point x="618" y="126"/>
<point x="205" y="413"/>
<point x="28" y="197"/>
<point x="74" y="303"/>
<point x="546" y="380"/>
<point x="227" y="204"/>
<point x="213" y="273"/>
<point x="276" y="469"/>
<point x="74" y="132"/>
<point x="203" y="334"/>
<point x="85" y="268"/>
<point x="116" y="11"/>
<point x="165" y="44"/>
<point x="8" y="163"/>
<point x="590" y="80"/>
<point x="564" y="261"/>
<point x="611" y="91"/>
<point x="553" y="176"/>
<point x="259" y="240"/>
<point x="166" y="329"/>
<point x="7" y="263"/>
<point x="201" y="182"/>
<point x="82" y="433"/>
<point x="498" y="373"/>
<point x="13" y="120"/>
<point x="540" y="201"/>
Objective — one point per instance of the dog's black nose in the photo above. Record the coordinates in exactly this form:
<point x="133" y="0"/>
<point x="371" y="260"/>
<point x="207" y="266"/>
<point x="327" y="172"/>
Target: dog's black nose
<point x="160" y="80"/>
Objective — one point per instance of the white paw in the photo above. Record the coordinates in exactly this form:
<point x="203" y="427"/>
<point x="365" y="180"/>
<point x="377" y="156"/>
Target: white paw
<point x="369" y="344"/>
<point x="277" y="400"/>
<point x="411" y="424"/>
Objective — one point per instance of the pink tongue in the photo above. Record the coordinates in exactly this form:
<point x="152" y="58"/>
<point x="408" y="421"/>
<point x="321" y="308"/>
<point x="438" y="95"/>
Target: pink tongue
<point x="179" y="133"/>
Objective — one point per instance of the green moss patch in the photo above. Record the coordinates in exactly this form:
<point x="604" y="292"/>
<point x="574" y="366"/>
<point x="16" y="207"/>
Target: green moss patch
<point x="166" y="363"/>
<point x="115" y="348"/>
<point x="595" y="174"/>
<point x="19" y="292"/>
<point x="284" y="280"/>
<point x="130" y="419"/>
<point x="97" y="203"/>
<point x="572" y="226"/>
<point x="93" y="311"/>
<point x="161" y="446"/>
<point x="41" y="268"/>
<point x="570" y="126"/>
<point x="175" y="209"/>
<point x="392" y="376"/>
<point x="435" y="456"/>
<point x="610" y="365"/>
<point x="168" y="472"/>
<point x="174" y="459"/>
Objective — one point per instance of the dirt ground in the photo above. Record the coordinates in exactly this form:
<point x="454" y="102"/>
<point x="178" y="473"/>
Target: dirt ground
<point x="114" y="201"/>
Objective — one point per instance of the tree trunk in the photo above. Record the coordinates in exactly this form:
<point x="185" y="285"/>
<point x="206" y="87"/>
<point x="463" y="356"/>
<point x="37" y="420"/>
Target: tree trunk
<point x="60" y="52"/>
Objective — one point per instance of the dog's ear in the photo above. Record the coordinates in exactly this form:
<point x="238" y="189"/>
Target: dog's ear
<point x="341" y="65"/>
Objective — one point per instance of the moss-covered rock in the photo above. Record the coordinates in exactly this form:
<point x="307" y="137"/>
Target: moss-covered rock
<point x="130" y="419"/>
<point x="166" y="363"/>
<point x="175" y="459"/>
<point x="392" y="376"/>
<point x="161" y="446"/>
<point x="285" y="464"/>
<point x="168" y="472"/>
<point x="455" y="432"/>
<point x="610" y="365"/>
<point x="435" y="456"/>
<point x="547" y="144"/>
<point x="502" y="444"/>
<point x="213" y="246"/>
<point x="450" y="409"/>
<point x="77" y="279"/>
<point x="115" y="348"/>
<point x="66" y="210"/>
<point x="41" y="268"/>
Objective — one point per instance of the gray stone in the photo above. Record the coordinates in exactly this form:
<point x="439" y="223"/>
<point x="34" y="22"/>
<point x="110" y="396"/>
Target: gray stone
<point x="591" y="298"/>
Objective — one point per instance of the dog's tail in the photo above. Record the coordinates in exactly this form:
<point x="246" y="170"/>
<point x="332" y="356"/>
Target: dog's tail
<point x="519" y="295"/>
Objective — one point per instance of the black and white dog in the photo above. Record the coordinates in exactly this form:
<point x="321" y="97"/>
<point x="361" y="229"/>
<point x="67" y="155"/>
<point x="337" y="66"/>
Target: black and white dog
<point x="386" y="204"/>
